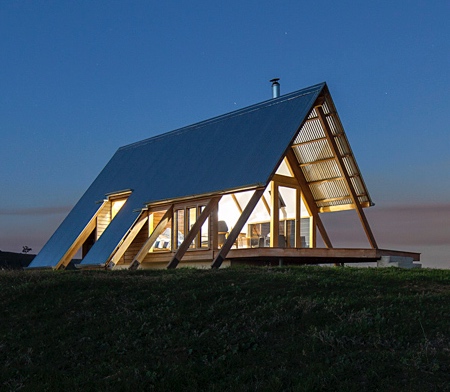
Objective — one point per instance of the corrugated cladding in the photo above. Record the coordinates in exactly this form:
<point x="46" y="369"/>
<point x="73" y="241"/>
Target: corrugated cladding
<point x="319" y="165"/>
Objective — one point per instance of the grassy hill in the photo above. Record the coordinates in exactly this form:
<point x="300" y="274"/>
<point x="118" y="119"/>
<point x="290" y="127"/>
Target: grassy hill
<point x="267" y="329"/>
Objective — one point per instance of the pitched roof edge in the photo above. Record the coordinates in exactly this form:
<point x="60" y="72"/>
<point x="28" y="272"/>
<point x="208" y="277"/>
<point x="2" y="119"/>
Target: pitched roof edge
<point x="322" y="92"/>
<point x="245" y="110"/>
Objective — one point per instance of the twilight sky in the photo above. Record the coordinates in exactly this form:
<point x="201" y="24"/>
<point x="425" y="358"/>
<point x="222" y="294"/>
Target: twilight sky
<point x="80" y="79"/>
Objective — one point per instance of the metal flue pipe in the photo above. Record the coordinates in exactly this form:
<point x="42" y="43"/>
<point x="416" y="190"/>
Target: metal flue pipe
<point x="275" y="88"/>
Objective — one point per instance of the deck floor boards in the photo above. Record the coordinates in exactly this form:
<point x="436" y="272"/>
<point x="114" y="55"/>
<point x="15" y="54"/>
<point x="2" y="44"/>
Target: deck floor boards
<point x="296" y="256"/>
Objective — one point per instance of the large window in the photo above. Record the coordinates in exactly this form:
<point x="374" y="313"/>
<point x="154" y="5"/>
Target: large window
<point x="178" y="225"/>
<point x="179" y="228"/>
<point x="204" y="232"/>
<point x="164" y="239"/>
<point x="185" y="219"/>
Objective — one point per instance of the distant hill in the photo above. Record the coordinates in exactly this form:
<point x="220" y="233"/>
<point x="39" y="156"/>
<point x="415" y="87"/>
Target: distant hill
<point x="11" y="260"/>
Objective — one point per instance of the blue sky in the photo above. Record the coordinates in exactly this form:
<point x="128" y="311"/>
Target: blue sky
<point x="78" y="79"/>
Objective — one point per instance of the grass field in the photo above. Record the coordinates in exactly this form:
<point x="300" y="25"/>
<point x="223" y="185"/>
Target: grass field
<point x="246" y="329"/>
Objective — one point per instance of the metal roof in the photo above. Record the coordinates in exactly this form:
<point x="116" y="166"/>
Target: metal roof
<point x="238" y="150"/>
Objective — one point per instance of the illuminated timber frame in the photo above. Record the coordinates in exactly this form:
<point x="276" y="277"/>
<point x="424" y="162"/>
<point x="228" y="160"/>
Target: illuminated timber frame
<point x="317" y="174"/>
<point x="255" y="197"/>
<point x="190" y="230"/>
<point x="327" y="164"/>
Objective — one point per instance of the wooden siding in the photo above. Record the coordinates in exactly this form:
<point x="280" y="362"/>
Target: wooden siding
<point x="103" y="218"/>
<point x="190" y="256"/>
<point x="157" y="216"/>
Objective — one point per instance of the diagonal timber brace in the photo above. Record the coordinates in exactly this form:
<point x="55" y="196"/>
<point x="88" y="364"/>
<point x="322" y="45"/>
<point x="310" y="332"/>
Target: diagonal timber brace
<point x="348" y="183"/>
<point x="136" y="228"/>
<point x="140" y="256"/>
<point x="193" y="232"/>
<point x="218" y="260"/>
<point x="306" y="191"/>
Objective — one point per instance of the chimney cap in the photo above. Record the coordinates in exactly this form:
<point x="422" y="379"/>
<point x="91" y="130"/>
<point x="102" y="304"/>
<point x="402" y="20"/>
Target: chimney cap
<point x="275" y="87"/>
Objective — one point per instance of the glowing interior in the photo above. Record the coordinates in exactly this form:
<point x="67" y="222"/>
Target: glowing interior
<point x="116" y="205"/>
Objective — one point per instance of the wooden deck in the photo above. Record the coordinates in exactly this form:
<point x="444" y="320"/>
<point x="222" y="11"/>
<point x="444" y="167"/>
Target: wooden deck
<point x="314" y="255"/>
<point x="288" y="256"/>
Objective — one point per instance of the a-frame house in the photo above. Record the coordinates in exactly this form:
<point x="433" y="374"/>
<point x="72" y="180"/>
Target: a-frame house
<point x="249" y="186"/>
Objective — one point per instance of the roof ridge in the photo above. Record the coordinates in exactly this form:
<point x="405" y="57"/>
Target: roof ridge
<point x="238" y="112"/>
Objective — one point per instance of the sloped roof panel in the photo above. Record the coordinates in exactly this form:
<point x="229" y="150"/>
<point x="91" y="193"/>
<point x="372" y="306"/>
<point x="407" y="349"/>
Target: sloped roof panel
<point x="237" y="150"/>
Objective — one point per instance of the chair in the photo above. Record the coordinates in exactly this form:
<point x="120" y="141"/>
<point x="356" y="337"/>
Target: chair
<point x="222" y="231"/>
<point x="261" y="242"/>
<point x="303" y="239"/>
<point x="281" y="241"/>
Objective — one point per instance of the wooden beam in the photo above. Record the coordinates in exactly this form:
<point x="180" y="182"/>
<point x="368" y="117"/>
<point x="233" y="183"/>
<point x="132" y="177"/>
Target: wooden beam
<point x="285" y="180"/>
<point x="313" y="233"/>
<point x="266" y="204"/>
<point x="325" y="180"/>
<point x="321" y="160"/>
<point x="217" y="262"/>
<point x="82" y="237"/>
<point x="317" y="255"/>
<point x="214" y="228"/>
<point x="309" y="142"/>
<point x="298" y="217"/>
<point x="342" y="207"/>
<point x="236" y="201"/>
<point x="315" y="118"/>
<point x="351" y="190"/>
<point x="136" y="228"/>
<point x="288" y="165"/>
<point x="193" y="232"/>
<point x="331" y="199"/>
<point x="320" y="100"/>
<point x="310" y="119"/>
<point x="308" y="197"/>
<point x="160" y="227"/>
<point x="275" y="217"/>
<point x="151" y="222"/>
